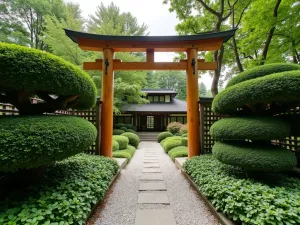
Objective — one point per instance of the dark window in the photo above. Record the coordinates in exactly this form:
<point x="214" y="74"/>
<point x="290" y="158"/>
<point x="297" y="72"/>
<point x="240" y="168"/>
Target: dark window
<point x="161" y="98"/>
<point x="150" y="122"/>
<point x="150" y="98"/>
<point x="155" y="98"/>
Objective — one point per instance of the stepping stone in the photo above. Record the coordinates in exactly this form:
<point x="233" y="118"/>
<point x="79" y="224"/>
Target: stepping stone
<point x="151" y="170"/>
<point x="151" y="165"/>
<point x="152" y="176"/>
<point x="151" y="161"/>
<point x="152" y="186"/>
<point x="150" y="158"/>
<point x="155" y="217"/>
<point x="158" y="197"/>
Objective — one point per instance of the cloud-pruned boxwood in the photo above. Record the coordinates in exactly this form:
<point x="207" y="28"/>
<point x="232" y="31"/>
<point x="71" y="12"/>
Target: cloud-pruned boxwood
<point x="180" y="151"/>
<point x="68" y="192"/>
<point x="279" y="87"/>
<point x="171" y="142"/>
<point x="161" y="136"/>
<point x="40" y="73"/>
<point x="131" y="131"/>
<point x="122" y="140"/>
<point x="256" y="157"/>
<point x="243" y="200"/>
<point x="115" y="146"/>
<point x="29" y="142"/>
<point x="118" y="132"/>
<point x="184" y="141"/>
<point x="254" y="128"/>
<point x="119" y="125"/>
<point x="134" y="140"/>
<point x="261" y="71"/>
<point x="125" y="153"/>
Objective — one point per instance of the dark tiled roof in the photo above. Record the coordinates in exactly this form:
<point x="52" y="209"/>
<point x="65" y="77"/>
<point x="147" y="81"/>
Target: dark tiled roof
<point x="175" y="106"/>
<point x="159" y="91"/>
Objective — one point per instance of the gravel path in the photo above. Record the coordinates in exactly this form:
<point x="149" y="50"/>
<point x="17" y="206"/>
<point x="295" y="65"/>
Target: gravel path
<point x="121" y="205"/>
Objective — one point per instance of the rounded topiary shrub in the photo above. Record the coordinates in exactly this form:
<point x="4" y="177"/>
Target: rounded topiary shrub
<point x="180" y="151"/>
<point x="183" y="129"/>
<point x="171" y="142"/>
<point x="184" y="135"/>
<point x="174" y="127"/>
<point x="33" y="141"/>
<point x="123" y="128"/>
<point x="131" y="131"/>
<point x="115" y="145"/>
<point x="161" y="136"/>
<point x="122" y="141"/>
<point x="134" y="140"/>
<point x="253" y="128"/>
<point x="134" y="128"/>
<point x="184" y="141"/>
<point x="119" y="125"/>
<point x="254" y="156"/>
<point x="118" y="132"/>
<point x="128" y="126"/>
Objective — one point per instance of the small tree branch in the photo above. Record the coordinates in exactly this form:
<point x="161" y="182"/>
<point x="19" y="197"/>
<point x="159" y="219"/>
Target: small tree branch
<point x="209" y="9"/>
<point x="240" y="19"/>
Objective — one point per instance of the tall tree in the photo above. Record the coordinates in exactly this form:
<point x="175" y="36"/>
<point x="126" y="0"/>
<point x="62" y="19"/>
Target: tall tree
<point x="202" y="90"/>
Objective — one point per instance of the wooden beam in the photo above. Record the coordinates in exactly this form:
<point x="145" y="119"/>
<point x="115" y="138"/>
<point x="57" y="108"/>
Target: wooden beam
<point x="150" y="55"/>
<point x="198" y="60"/>
<point x="207" y="65"/>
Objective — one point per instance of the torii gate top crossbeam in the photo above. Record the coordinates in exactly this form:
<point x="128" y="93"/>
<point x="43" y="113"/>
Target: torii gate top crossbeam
<point x="203" y="42"/>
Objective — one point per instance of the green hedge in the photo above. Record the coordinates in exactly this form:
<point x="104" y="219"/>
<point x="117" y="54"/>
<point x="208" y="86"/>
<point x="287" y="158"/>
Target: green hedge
<point x="261" y="71"/>
<point x="116" y="146"/>
<point x="118" y="132"/>
<point x="33" y="141"/>
<point x="131" y="131"/>
<point x="180" y="151"/>
<point x="123" y="128"/>
<point x="253" y="128"/>
<point x="161" y="136"/>
<point x="119" y="125"/>
<point x="134" y="140"/>
<point x="33" y="70"/>
<point x="279" y="87"/>
<point x="122" y="140"/>
<point x="68" y="192"/>
<point x="125" y="153"/>
<point x="184" y="135"/>
<point x="255" y="157"/>
<point x="171" y="142"/>
<point x="243" y="200"/>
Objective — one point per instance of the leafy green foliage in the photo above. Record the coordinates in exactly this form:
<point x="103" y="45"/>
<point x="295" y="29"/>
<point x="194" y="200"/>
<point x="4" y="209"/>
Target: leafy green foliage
<point x="253" y="128"/>
<point x="115" y="146"/>
<point x="131" y="131"/>
<point x="244" y="200"/>
<point x="69" y="191"/>
<point x="180" y="151"/>
<point x="122" y="140"/>
<point x="184" y="135"/>
<point x="183" y="129"/>
<point x="184" y="141"/>
<point x="257" y="157"/>
<point x="32" y="70"/>
<point x="161" y="136"/>
<point x="119" y="125"/>
<point x="125" y="153"/>
<point x="261" y="71"/>
<point x="278" y="87"/>
<point x="134" y="140"/>
<point x="118" y="132"/>
<point x="123" y="128"/>
<point x="171" y="142"/>
<point x="33" y="141"/>
<point x="174" y="127"/>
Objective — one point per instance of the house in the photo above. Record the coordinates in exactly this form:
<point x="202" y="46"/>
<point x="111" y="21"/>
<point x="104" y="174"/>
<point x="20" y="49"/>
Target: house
<point x="155" y="116"/>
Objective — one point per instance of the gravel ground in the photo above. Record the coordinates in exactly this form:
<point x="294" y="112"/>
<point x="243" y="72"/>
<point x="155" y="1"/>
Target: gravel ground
<point x="120" y="205"/>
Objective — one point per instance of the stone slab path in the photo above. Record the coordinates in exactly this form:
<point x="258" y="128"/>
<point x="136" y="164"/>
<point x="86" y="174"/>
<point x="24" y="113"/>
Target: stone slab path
<point x="151" y="191"/>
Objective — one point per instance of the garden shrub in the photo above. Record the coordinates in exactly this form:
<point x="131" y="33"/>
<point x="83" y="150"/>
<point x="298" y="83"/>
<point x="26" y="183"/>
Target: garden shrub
<point x="122" y="141"/>
<point x="33" y="141"/>
<point x="172" y="142"/>
<point x="180" y="151"/>
<point x="119" y="125"/>
<point x="183" y="129"/>
<point x="131" y="131"/>
<point x="257" y="157"/>
<point x="128" y="126"/>
<point x="115" y="145"/>
<point x="253" y="128"/>
<point x="123" y="128"/>
<point x="134" y="128"/>
<point x="161" y="136"/>
<point x="134" y="140"/>
<point x="261" y="71"/>
<point x="33" y="70"/>
<point x="243" y="200"/>
<point x="278" y="87"/>
<point x="68" y="192"/>
<point x="174" y="127"/>
<point x="184" y="135"/>
<point x="118" y="132"/>
<point x="125" y="153"/>
<point x="184" y="141"/>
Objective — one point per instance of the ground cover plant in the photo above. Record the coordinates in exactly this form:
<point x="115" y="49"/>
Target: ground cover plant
<point x="66" y="195"/>
<point x="245" y="200"/>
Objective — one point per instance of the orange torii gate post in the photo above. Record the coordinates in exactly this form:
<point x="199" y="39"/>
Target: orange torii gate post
<point x="190" y="44"/>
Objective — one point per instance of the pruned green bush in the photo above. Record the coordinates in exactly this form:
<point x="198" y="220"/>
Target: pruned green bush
<point x="183" y="129"/>
<point x="161" y="136"/>
<point x="256" y="157"/>
<point x="244" y="200"/>
<point x="134" y="128"/>
<point x="125" y="153"/>
<point x="33" y="71"/>
<point x="171" y="142"/>
<point x="134" y="140"/>
<point x="97" y="81"/>
<point x="118" y="132"/>
<point x="184" y="135"/>
<point x="119" y="125"/>
<point x="184" y="141"/>
<point x="180" y="151"/>
<point x="123" y="128"/>
<point x="33" y="141"/>
<point x="122" y="140"/>
<point x="67" y="194"/>
<point x="131" y="131"/>
<point x="253" y="128"/>
<point x="174" y="127"/>
<point x="261" y="71"/>
<point x="280" y="87"/>
<point x="116" y="145"/>
<point x="128" y="125"/>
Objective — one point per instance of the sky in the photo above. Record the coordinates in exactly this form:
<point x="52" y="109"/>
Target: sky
<point x="153" y="13"/>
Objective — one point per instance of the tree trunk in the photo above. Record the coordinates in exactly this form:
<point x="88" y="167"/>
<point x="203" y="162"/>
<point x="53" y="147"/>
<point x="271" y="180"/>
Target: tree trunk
<point x="218" y="57"/>
<point x="236" y="54"/>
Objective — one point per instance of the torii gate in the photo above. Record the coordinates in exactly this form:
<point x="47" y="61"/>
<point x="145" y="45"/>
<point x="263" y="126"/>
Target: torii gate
<point x="190" y="44"/>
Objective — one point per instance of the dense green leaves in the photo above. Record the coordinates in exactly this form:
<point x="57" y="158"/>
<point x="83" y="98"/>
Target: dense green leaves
<point x="122" y="140"/>
<point x="161" y="136"/>
<point x="28" y="142"/>
<point x="244" y="200"/>
<point x="115" y="146"/>
<point x="171" y="142"/>
<point x="180" y="151"/>
<point x="134" y="140"/>
<point x="125" y="153"/>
